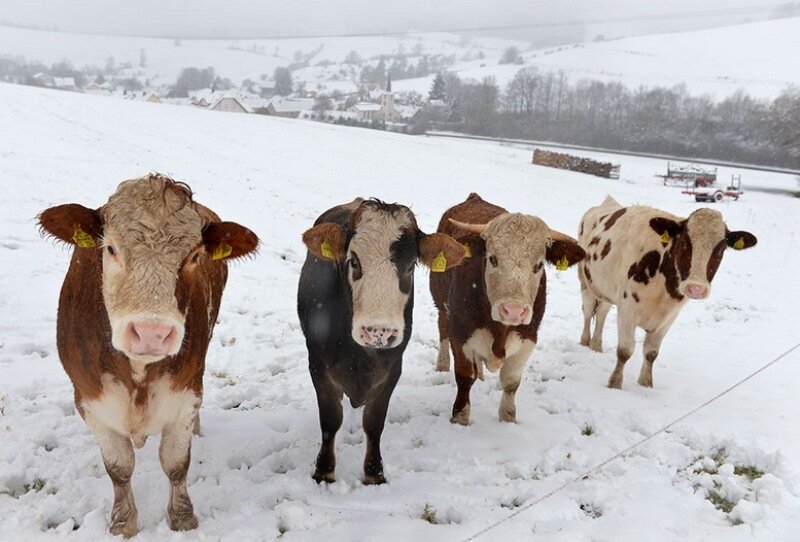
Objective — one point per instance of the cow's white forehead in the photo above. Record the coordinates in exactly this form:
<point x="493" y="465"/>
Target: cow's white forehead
<point x="706" y="225"/>
<point x="143" y="215"/>
<point x="377" y="229"/>
<point x="516" y="232"/>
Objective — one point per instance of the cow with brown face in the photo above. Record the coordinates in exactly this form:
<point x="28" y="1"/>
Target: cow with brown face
<point x="355" y="302"/>
<point x="491" y="306"/>
<point x="135" y="317"/>
<point x="648" y="263"/>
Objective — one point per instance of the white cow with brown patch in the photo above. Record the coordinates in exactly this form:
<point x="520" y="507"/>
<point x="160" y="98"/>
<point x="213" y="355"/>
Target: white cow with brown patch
<point x="648" y="263"/>
<point x="135" y="316"/>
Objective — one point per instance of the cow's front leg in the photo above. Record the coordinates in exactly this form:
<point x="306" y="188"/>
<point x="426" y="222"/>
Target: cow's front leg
<point x="652" y="345"/>
<point x="510" y="378"/>
<point x="443" y="360"/>
<point x="175" y="454"/>
<point x="588" y="305"/>
<point x="373" y="421"/>
<point x="626" y="332"/>
<point x="465" y="378"/>
<point x="601" y="312"/>
<point x="119" y="460"/>
<point x="329" y="403"/>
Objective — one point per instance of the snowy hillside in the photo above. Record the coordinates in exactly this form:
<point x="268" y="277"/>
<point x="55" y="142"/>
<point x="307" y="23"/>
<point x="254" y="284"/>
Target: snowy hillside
<point x="233" y="59"/>
<point x="250" y="477"/>
<point x="757" y="57"/>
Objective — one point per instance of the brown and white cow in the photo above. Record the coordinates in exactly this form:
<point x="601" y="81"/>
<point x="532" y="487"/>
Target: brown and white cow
<point x="490" y="307"/>
<point x="648" y="263"/>
<point x="135" y="317"/>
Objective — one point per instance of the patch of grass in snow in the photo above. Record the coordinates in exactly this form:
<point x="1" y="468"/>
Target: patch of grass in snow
<point x="591" y="510"/>
<point x="429" y="514"/>
<point x="225" y="377"/>
<point x="587" y="430"/>
<point x="516" y="502"/>
<point x="748" y="471"/>
<point x="282" y="528"/>
<point x="720" y="503"/>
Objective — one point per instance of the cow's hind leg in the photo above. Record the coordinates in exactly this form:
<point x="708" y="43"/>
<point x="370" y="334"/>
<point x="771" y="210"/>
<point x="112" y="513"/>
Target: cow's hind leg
<point x="329" y="403"/>
<point x="373" y="420"/>
<point x="119" y="460"/>
<point x="175" y="453"/>
<point x="510" y="378"/>
<point x="626" y="332"/>
<point x="465" y="378"/>
<point x="443" y="361"/>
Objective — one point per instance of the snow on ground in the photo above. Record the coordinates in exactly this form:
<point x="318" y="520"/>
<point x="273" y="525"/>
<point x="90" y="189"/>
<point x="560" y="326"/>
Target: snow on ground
<point x="250" y="477"/>
<point x="755" y="57"/>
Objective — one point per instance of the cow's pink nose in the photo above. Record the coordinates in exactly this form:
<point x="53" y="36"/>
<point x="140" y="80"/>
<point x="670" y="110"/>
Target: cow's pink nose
<point x="696" y="291"/>
<point x="513" y="312"/>
<point x="150" y="339"/>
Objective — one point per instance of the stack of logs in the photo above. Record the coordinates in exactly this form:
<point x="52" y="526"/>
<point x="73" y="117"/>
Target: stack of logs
<point x="575" y="163"/>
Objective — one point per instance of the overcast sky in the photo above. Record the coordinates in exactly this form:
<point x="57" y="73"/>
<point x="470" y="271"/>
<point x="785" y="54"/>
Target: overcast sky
<point x="252" y="18"/>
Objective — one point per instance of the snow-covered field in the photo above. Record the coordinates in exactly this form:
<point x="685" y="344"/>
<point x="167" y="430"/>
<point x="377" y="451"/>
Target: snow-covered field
<point x="250" y="477"/>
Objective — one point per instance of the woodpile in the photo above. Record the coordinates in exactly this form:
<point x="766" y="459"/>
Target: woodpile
<point x="575" y="163"/>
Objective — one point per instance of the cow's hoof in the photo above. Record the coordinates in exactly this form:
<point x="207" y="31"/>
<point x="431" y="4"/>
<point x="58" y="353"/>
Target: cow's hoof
<point x="508" y="416"/>
<point x="183" y="522"/>
<point x="127" y="529"/>
<point x="374" y="479"/>
<point x="327" y="477"/>
<point x="584" y="341"/>
<point x="615" y="383"/>
<point x="461" y="417"/>
<point x="596" y="346"/>
<point x="646" y="382"/>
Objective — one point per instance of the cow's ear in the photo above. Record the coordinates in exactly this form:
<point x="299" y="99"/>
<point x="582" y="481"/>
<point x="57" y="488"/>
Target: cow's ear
<point x="663" y="225"/>
<point x="440" y="252"/>
<point x="326" y="241"/>
<point x="73" y="224"/>
<point x="740" y="240"/>
<point x="563" y="254"/>
<point x="228" y="240"/>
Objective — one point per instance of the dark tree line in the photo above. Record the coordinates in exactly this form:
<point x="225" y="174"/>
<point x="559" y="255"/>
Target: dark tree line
<point x="547" y="106"/>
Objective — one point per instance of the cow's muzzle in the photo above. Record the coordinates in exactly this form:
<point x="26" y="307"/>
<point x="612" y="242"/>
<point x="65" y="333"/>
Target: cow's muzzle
<point x="513" y="314"/>
<point x="149" y="339"/>
<point x="378" y="335"/>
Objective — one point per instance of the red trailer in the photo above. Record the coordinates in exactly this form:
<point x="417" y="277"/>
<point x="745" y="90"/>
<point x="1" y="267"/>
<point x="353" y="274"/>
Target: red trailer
<point x="713" y="194"/>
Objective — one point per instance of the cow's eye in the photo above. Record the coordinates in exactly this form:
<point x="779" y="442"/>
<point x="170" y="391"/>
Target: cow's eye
<point x="196" y="257"/>
<point x="538" y="267"/>
<point x="493" y="260"/>
<point x="111" y="250"/>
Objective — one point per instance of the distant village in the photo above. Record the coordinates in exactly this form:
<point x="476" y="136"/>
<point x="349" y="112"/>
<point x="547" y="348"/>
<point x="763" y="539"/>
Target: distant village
<point x="374" y="105"/>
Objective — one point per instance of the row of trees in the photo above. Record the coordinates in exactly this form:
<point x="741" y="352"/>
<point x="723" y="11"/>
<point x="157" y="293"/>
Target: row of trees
<point x="548" y="106"/>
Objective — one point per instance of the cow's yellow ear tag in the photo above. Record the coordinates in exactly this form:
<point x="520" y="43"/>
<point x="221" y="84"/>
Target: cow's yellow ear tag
<point x="326" y="249"/>
<point x="562" y="264"/>
<point x="665" y="238"/>
<point x="439" y="263"/>
<point x="739" y="244"/>
<point x="83" y="239"/>
<point x="222" y="251"/>
<point x="467" y="251"/>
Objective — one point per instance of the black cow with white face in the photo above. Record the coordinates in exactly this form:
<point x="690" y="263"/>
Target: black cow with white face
<point x="355" y="300"/>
